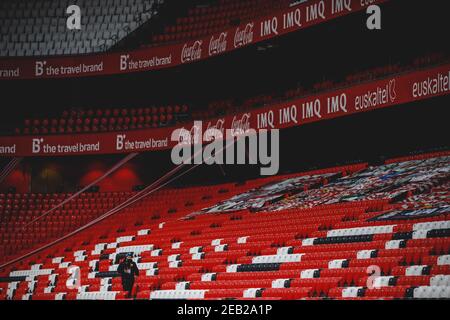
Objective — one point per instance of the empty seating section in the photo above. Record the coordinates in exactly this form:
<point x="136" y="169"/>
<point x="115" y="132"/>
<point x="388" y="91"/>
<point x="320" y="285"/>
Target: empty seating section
<point x="101" y="120"/>
<point x="231" y="105"/>
<point x="38" y="27"/>
<point x="18" y="210"/>
<point x="88" y="120"/>
<point x="356" y="232"/>
<point x="218" y="16"/>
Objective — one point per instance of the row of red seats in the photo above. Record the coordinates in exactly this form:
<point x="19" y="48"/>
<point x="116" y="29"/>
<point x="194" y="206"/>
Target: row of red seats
<point x="104" y="120"/>
<point x="205" y="20"/>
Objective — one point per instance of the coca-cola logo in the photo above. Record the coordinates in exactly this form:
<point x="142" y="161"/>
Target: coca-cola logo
<point x="219" y="126"/>
<point x="244" y="36"/>
<point x="240" y="126"/>
<point x="190" y="137"/>
<point x="191" y="53"/>
<point x="218" y="45"/>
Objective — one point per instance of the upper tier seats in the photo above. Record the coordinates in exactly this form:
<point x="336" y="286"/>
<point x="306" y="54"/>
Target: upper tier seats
<point x="38" y="27"/>
<point x="101" y="120"/>
<point x="123" y="119"/>
<point x="207" y="19"/>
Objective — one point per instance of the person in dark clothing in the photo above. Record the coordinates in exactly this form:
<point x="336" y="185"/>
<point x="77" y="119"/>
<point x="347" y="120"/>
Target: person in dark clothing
<point x="127" y="270"/>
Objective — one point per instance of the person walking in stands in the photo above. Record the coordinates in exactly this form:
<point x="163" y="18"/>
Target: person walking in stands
<point x="127" y="270"/>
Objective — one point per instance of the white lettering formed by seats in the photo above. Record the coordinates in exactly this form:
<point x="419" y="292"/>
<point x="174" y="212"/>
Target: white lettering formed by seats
<point x="93" y="263"/>
<point x="440" y="280"/>
<point x="216" y="242"/>
<point x="308" y="241"/>
<point x="64" y="265"/>
<point x="112" y="245"/>
<point x="242" y="240"/>
<point x="100" y="246"/>
<point x="57" y="260"/>
<point x="96" y="252"/>
<point x="177" y="294"/>
<point x="97" y="295"/>
<point x="279" y="283"/>
<point x="48" y="289"/>
<point x="151" y="272"/>
<point x="135" y="249"/>
<point x="221" y="248"/>
<point x="22" y="273"/>
<point x="381" y="281"/>
<point x="308" y="273"/>
<point x="393" y="244"/>
<point x="147" y="265"/>
<point x="278" y="258"/>
<point x="124" y="239"/>
<point x="198" y="256"/>
<point x="195" y="250"/>
<point x="184" y="285"/>
<point x="232" y="267"/>
<point x="155" y="253"/>
<point x="30" y="278"/>
<point x="251" y="293"/>
<point x="364" y="254"/>
<point x="12" y="286"/>
<point x="414" y="270"/>
<point x="83" y="288"/>
<point x="420" y="234"/>
<point x="176" y="245"/>
<point x="105" y="288"/>
<point x="431" y="292"/>
<point x="208" y="277"/>
<point x="80" y="258"/>
<point x="105" y="281"/>
<point x="360" y="231"/>
<point x="432" y="225"/>
<point x="175" y="264"/>
<point x="173" y="257"/>
<point x="60" y="296"/>
<point x="79" y="253"/>
<point x="284" y="250"/>
<point x="113" y="267"/>
<point x="112" y="256"/>
<point x="52" y="279"/>
<point x="350" y="292"/>
<point x="336" y="264"/>
<point x="143" y="232"/>
<point x="444" y="260"/>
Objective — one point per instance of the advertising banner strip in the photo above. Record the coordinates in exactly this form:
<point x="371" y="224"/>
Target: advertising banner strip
<point x="288" y="20"/>
<point x="395" y="90"/>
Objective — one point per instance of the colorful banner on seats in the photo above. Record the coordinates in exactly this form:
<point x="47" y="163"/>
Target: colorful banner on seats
<point x="288" y="20"/>
<point x="400" y="89"/>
